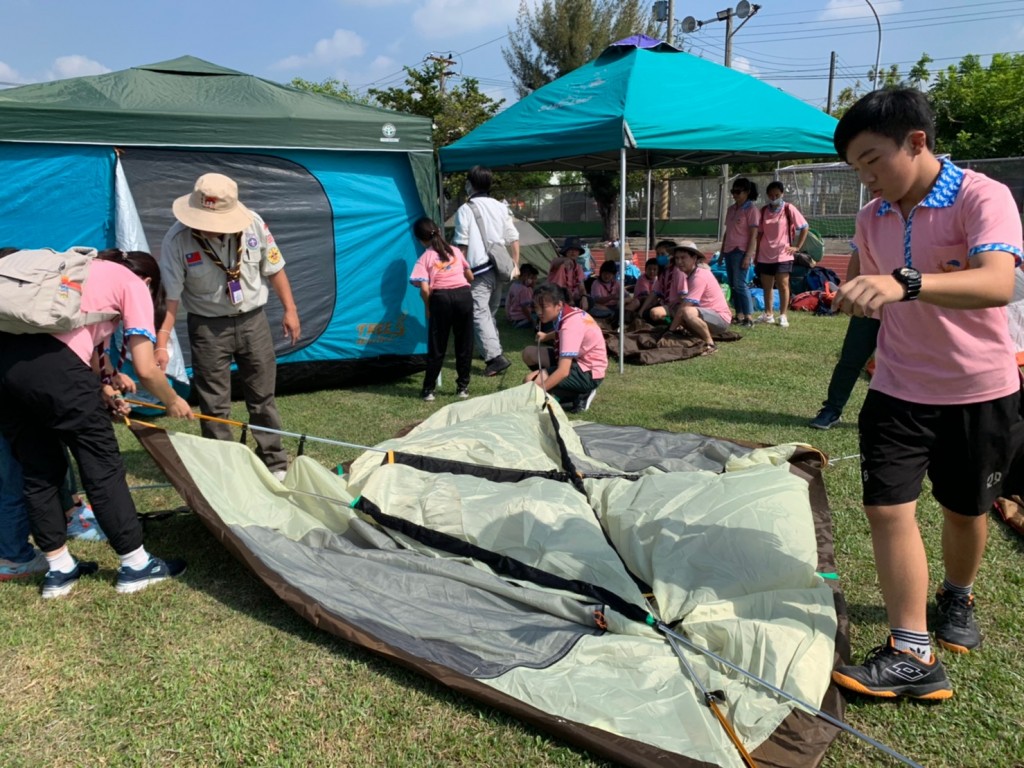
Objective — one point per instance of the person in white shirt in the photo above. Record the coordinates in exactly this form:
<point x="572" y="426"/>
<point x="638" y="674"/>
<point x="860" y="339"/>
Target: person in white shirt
<point x="498" y="226"/>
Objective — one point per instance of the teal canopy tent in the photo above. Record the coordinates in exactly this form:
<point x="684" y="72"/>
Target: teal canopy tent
<point x="644" y="104"/>
<point x="655" y="104"/>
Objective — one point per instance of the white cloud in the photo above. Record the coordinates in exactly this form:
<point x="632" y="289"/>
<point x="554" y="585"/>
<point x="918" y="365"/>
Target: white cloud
<point x="743" y="64"/>
<point x="449" y="18"/>
<point x="382" y="67"/>
<point x="9" y="76"/>
<point x="344" y="44"/>
<point x="74" y="66"/>
<point x="856" y="9"/>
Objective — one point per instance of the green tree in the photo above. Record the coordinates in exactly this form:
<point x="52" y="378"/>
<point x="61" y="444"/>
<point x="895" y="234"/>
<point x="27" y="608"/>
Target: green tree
<point x="455" y="111"/>
<point x="559" y="36"/>
<point x="331" y="87"/>
<point x="916" y="77"/>
<point x="428" y="92"/>
<point x="979" y="112"/>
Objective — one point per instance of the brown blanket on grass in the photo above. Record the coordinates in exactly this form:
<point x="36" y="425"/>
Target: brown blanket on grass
<point x="648" y="345"/>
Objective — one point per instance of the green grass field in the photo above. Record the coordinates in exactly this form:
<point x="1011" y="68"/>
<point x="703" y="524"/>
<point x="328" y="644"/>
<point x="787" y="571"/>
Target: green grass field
<point x="214" y="670"/>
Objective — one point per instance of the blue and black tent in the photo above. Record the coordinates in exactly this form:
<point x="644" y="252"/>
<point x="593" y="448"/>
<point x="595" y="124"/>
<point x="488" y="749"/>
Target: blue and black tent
<point x="98" y="160"/>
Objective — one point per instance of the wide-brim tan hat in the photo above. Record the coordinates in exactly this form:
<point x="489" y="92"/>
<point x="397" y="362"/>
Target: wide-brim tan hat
<point x="213" y="206"/>
<point x="691" y="246"/>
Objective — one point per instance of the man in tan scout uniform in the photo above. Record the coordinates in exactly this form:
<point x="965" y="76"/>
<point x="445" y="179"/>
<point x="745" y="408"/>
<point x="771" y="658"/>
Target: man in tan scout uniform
<point x="217" y="262"/>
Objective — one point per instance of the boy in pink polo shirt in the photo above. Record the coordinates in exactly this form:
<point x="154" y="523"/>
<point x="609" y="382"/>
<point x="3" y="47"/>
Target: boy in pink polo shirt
<point x="938" y="247"/>
<point x="582" y="357"/>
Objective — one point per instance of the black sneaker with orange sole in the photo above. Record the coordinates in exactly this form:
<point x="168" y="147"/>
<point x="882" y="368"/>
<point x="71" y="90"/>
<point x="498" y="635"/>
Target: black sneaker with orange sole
<point x="888" y="673"/>
<point x="955" y="628"/>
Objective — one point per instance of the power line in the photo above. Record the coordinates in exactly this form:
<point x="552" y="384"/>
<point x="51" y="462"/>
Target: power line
<point x="771" y="37"/>
<point x="888" y="17"/>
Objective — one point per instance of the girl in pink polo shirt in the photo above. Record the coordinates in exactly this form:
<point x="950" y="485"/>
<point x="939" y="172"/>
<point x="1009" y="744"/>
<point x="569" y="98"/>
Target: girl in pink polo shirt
<point x="566" y="272"/>
<point x="783" y="231"/>
<point x="519" y="302"/>
<point x="443" y="277"/>
<point x="739" y="246"/>
<point x="53" y="397"/>
<point x="604" y="292"/>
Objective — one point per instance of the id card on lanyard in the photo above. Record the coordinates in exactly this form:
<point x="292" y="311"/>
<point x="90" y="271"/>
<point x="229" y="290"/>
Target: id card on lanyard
<point x="235" y="294"/>
<point x="234" y="275"/>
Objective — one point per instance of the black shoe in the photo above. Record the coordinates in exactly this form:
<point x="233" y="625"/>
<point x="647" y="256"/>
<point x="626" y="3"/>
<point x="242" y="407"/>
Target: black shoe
<point x="496" y="365"/>
<point x="888" y="673"/>
<point x="956" y="630"/>
<point x="748" y="323"/>
<point x="130" y="580"/>
<point x="826" y="417"/>
<point x="58" y="583"/>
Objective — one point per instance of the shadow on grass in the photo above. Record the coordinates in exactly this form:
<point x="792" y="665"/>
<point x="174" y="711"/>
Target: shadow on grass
<point x="213" y="571"/>
<point x="869" y="615"/>
<point x="747" y="417"/>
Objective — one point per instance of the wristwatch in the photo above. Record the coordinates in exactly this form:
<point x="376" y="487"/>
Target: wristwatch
<point x="910" y="279"/>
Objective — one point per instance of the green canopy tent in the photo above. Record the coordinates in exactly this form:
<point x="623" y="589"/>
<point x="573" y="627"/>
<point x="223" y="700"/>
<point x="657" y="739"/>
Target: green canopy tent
<point x="643" y="104"/>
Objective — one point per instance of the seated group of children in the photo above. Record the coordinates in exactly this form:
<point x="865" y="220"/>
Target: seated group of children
<point x="676" y="288"/>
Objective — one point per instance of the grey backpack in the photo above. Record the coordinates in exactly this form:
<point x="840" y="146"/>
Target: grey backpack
<point x="41" y="291"/>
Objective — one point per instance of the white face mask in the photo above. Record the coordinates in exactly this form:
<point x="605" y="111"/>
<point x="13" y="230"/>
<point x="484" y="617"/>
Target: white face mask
<point x="776" y="203"/>
<point x="469" y="189"/>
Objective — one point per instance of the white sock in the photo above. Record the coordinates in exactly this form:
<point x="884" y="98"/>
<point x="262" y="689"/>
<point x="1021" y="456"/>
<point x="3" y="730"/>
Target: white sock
<point x="137" y="559"/>
<point x="918" y="643"/>
<point x="62" y="561"/>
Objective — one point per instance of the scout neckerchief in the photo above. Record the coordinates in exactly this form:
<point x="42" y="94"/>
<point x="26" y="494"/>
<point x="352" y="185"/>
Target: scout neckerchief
<point x="233" y="288"/>
<point x="233" y="273"/>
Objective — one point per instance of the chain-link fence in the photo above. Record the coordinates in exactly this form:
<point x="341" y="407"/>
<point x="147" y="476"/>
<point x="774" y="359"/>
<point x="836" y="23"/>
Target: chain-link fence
<point x="828" y="194"/>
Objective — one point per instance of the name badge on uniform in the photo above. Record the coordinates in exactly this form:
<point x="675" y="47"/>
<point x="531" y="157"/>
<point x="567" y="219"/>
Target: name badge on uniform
<point x="235" y="291"/>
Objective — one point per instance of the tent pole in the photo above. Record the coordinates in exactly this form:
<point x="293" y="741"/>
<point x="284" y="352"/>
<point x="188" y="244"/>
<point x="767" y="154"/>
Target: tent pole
<point x="623" y="246"/>
<point x="650" y="206"/>
<point x="723" y="197"/>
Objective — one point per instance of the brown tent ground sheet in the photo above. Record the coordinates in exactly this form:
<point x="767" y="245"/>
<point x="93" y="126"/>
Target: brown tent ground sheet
<point x="646" y="344"/>
<point x="801" y="740"/>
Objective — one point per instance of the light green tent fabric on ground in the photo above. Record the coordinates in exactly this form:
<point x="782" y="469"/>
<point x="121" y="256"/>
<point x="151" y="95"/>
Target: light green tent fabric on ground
<point x="730" y="556"/>
<point x="665" y="107"/>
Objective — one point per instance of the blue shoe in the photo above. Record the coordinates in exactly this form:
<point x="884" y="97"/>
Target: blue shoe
<point x="131" y="580"/>
<point x="826" y="417"/>
<point x="10" y="570"/>
<point x="58" y="583"/>
<point x="82" y="525"/>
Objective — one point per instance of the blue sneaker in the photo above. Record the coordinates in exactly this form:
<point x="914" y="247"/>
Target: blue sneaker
<point x="58" y="583"/>
<point x="826" y="417"/>
<point x="10" y="570"/>
<point x="82" y="525"/>
<point x="131" y="580"/>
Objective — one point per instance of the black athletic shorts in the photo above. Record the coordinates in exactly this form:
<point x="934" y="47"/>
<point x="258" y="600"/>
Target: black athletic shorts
<point x="774" y="268"/>
<point x="964" y="449"/>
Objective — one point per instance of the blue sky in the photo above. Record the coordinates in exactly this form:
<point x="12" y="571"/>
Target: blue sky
<point x="367" y="42"/>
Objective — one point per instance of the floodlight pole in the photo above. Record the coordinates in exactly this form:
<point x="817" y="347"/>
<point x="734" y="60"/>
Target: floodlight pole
<point x="670" y="22"/>
<point x="878" y="49"/>
<point x="727" y="16"/>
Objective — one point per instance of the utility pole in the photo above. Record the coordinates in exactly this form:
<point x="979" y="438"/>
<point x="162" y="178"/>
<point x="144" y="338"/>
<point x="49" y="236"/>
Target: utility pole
<point x="723" y="196"/>
<point x="448" y="62"/>
<point x="831" y="83"/>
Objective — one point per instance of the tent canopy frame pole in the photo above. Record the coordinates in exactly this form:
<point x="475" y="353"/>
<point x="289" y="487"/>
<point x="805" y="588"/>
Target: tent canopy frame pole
<point x="623" y="247"/>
